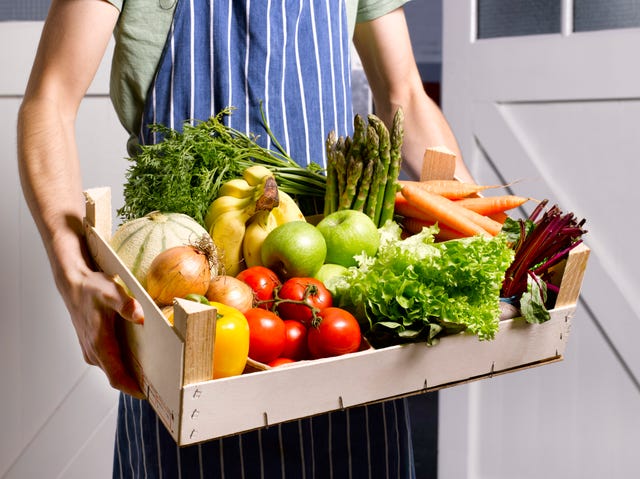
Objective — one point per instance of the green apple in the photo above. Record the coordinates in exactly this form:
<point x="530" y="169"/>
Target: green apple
<point x="348" y="233"/>
<point x="329" y="272"/>
<point x="294" y="249"/>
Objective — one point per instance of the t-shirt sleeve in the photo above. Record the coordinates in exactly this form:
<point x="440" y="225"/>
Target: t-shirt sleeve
<point x="116" y="3"/>
<point x="372" y="9"/>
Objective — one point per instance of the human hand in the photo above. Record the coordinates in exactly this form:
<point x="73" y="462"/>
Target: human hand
<point x="96" y="304"/>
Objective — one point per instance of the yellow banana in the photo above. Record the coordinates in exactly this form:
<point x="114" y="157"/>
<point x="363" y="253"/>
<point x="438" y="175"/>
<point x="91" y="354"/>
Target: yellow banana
<point x="255" y="174"/>
<point x="227" y="233"/>
<point x="263" y="222"/>
<point x="287" y="209"/>
<point x="223" y="204"/>
<point x="238" y="194"/>
<point x="257" y="230"/>
<point x="237" y="187"/>
<point x="228" y="215"/>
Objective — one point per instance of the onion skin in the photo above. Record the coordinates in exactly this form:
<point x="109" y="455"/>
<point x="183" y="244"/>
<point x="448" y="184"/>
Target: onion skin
<point x="177" y="272"/>
<point x="230" y="291"/>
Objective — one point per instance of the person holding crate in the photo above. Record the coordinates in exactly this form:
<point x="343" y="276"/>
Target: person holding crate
<point x="178" y="60"/>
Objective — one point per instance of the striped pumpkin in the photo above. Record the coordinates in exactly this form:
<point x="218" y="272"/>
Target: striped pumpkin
<point x="137" y="242"/>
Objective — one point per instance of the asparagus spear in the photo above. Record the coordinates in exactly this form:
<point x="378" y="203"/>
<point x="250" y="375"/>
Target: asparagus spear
<point x="354" y="171"/>
<point x="382" y="171"/>
<point x="391" y="188"/>
<point x="359" y="138"/>
<point x="341" y="167"/>
<point x="354" y="161"/>
<point x="365" y="192"/>
<point x="331" y="196"/>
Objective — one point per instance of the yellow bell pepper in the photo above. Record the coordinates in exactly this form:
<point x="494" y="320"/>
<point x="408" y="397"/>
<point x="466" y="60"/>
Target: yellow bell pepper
<point x="231" y="346"/>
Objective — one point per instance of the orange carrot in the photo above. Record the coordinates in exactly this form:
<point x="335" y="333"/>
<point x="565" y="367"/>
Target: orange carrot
<point x="404" y="208"/>
<point x="499" y="217"/>
<point x="488" y="205"/>
<point x="415" y="225"/>
<point x="490" y="225"/>
<point x="445" y="210"/>
<point x="452" y="189"/>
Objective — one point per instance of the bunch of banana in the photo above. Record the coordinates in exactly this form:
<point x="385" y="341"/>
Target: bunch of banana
<point x="237" y="202"/>
<point x="263" y="222"/>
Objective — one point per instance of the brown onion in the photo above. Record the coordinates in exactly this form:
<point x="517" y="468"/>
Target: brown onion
<point x="177" y="272"/>
<point x="230" y="291"/>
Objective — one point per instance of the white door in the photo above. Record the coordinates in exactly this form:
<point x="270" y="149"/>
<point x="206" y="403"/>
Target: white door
<point x="57" y="414"/>
<point x="557" y="108"/>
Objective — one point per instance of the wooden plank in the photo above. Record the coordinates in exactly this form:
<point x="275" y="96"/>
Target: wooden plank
<point x="264" y="398"/>
<point x="573" y="275"/>
<point x="196" y="323"/>
<point x="98" y="210"/>
<point x="438" y="163"/>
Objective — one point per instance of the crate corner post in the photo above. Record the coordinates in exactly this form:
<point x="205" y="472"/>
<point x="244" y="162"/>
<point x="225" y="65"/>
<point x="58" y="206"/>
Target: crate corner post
<point x="196" y="324"/>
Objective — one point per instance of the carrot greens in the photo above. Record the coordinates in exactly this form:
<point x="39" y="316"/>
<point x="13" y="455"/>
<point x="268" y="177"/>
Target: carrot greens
<point x="183" y="172"/>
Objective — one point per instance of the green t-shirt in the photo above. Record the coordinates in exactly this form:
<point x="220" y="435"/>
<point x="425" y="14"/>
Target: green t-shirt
<point x="140" y="36"/>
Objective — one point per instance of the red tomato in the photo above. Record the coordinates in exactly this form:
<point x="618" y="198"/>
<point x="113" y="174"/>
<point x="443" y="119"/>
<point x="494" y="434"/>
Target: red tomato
<point x="295" y="345"/>
<point x="301" y="296"/>
<point x="262" y="281"/>
<point x="337" y="333"/>
<point x="280" y="361"/>
<point x="266" y="335"/>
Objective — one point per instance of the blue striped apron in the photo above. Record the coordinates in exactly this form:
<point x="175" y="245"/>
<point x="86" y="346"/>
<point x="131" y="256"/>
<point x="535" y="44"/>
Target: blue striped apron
<point x="293" y="56"/>
<point x="290" y="55"/>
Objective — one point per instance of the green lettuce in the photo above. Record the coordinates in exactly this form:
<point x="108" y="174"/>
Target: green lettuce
<point x="415" y="289"/>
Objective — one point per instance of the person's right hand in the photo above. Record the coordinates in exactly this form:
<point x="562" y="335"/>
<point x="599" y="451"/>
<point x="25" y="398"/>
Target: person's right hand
<point x="96" y="303"/>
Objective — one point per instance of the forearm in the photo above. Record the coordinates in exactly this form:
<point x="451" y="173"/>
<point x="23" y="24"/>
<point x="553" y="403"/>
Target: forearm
<point x="52" y="185"/>
<point x="385" y="49"/>
<point x="73" y="41"/>
<point x="424" y="126"/>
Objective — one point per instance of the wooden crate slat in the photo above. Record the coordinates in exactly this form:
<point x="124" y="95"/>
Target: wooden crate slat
<point x="573" y="275"/>
<point x="438" y="163"/>
<point x="196" y="323"/>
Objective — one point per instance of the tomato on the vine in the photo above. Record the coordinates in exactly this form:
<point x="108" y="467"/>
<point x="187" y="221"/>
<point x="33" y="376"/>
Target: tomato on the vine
<point x="295" y="344"/>
<point x="263" y="282"/>
<point x="336" y="333"/>
<point x="299" y="297"/>
<point x="266" y="335"/>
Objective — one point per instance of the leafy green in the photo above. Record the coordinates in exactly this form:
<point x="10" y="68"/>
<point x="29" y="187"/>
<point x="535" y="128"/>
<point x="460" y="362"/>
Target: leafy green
<point x="183" y="172"/>
<point x="415" y="289"/>
<point x="532" y="301"/>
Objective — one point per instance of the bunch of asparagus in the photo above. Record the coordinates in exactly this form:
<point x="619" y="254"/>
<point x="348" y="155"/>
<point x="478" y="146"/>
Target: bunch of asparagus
<point x="362" y="170"/>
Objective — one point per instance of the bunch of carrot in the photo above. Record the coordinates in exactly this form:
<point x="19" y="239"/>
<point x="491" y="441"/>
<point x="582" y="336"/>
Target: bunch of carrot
<point x="456" y="207"/>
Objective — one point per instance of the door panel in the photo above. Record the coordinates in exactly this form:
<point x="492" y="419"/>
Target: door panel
<point x="557" y="116"/>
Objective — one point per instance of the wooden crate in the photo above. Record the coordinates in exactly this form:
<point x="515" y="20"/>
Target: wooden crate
<point x="173" y="363"/>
